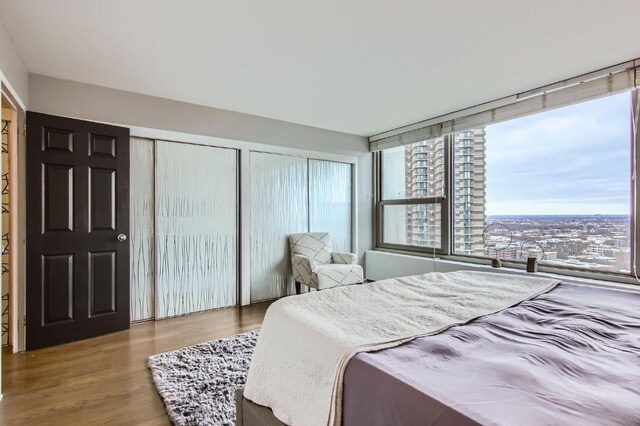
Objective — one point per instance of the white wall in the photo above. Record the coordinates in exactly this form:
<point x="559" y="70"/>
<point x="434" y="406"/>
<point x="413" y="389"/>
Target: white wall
<point x="78" y="100"/>
<point x="13" y="73"/>
<point x="381" y="265"/>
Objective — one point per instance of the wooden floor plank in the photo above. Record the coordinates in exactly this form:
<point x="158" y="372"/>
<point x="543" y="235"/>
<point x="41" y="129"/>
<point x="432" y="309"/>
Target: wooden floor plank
<point x="105" y="380"/>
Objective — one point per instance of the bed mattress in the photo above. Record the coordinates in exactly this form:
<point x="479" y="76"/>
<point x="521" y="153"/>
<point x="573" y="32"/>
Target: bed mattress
<point x="570" y="356"/>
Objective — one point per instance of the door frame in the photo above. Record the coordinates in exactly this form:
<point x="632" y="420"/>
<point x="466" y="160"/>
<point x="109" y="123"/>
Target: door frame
<point x="17" y="150"/>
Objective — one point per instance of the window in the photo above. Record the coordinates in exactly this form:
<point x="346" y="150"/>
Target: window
<point x="558" y="179"/>
<point x="413" y="194"/>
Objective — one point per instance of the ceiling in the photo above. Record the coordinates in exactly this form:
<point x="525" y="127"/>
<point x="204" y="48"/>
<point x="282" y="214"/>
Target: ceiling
<point x="355" y="66"/>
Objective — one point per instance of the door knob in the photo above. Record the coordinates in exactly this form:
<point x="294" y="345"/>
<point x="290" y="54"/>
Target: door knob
<point x="122" y="237"/>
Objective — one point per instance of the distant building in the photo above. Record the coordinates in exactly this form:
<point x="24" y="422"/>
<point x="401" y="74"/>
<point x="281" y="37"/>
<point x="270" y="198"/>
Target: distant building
<point x="469" y="175"/>
<point x="425" y="176"/>
<point x="510" y="252"/>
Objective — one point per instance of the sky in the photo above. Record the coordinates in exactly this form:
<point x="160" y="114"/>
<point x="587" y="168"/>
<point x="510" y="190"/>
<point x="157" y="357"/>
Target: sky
<point x="572" y="160"/>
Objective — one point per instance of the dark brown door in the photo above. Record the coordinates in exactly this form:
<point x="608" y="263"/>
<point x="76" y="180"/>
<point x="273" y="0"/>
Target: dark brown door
<point x="77" y="224"/>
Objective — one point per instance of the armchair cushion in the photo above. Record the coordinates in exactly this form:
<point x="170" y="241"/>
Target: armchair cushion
<point x="334" y="275"/>
<point x="344" y="258"/>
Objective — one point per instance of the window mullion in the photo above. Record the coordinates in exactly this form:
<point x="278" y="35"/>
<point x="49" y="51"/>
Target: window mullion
<point x="447" y="204"/>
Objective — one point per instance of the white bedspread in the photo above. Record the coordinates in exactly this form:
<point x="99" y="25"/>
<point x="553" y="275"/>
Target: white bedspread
<point x="306" y="341"/>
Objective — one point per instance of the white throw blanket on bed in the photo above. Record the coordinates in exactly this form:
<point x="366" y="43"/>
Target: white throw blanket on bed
<point x="306" y="341"/>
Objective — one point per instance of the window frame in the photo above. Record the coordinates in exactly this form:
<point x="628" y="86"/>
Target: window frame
<point x="380" y="203"/>
<point x="445" y="252"/>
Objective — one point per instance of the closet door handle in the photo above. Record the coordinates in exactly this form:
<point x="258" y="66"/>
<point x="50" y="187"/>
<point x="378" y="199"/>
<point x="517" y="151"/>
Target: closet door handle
<point x="122" y="237"/>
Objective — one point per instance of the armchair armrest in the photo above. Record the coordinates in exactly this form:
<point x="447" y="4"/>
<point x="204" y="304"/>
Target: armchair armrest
<point x="344" y="258"/>
<point x="303" y="267"/>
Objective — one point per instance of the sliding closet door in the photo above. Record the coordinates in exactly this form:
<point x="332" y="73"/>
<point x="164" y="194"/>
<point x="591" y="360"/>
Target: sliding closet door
<point x="330" y="201"/>
<point x="279" y="207"/>
<point x="141" y="242"/>
<point x="196" y="228"/>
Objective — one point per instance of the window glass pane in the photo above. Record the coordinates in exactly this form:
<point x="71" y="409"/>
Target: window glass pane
<point x="412" y="224"/>
<point x="413" y="171"/>
<point x="559" y="180"/>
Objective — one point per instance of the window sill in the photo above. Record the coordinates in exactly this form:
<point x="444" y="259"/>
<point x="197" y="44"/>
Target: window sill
<point x="382" y="263"/>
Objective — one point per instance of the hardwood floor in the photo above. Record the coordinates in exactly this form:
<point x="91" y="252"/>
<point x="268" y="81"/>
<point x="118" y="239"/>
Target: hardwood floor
<point x="105" y="380"/>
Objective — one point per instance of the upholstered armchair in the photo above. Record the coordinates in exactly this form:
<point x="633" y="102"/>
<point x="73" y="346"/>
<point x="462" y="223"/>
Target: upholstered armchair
<point x="316" y="265"/>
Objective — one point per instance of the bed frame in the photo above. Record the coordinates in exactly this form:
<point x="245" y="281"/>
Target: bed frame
<point x="251" y="414"/>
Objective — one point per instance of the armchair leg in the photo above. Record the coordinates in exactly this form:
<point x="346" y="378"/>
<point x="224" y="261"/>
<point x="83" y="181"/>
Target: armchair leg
<point x="297" y="287"/>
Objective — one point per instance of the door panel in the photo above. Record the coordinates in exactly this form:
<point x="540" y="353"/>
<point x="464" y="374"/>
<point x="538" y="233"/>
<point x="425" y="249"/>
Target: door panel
<point x="142" y="238"/>
<point x="77" y="204"/>
<point x="58" y="139"/>
<point x="57" y="286"/>
<point x="58" y="198"/>
<point x="102" y="200"/>
<point x="102" y="282"/>
<point x="102" y="145"/>
<point x="279" y="207"/>
<point x="196" y="228"/>
<point x="330" y="201"/>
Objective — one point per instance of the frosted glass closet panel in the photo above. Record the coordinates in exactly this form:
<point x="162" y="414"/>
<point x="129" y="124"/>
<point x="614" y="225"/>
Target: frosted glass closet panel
<point x="141" y="232"/>
<point x="196" y="228"/>
<point x="278" y="208"/>
<point x="330" y="201"/>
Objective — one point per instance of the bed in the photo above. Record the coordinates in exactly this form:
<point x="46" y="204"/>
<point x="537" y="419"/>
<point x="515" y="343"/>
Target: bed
<point x="565" y="354"/>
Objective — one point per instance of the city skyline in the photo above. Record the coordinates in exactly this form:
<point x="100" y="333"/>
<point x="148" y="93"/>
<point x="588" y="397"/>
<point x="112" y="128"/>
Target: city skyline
<point x="596" y="242"/>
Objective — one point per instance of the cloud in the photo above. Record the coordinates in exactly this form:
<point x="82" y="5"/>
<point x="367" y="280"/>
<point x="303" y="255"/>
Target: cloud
<point x="574" y="159"/>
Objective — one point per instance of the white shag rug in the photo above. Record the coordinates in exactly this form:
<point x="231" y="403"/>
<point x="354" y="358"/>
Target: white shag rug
<point x="198" y="383"/>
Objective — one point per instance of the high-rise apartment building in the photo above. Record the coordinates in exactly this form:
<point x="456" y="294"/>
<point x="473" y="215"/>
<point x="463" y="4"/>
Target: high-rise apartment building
<point x="469" y="192"/>
<point x="425" y="176"/>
